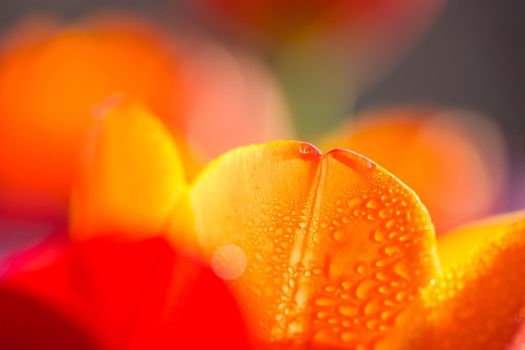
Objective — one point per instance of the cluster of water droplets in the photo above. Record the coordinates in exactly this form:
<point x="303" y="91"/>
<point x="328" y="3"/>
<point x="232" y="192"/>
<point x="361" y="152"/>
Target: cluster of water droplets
<point x="273" y="280"/>
<point x="359" y="307"/>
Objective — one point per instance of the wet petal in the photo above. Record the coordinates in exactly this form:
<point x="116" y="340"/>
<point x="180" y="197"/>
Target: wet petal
<point x="320" y="249"/>
<point x="131" y="176"/>
<point x="455" y="160"/>
<point x="477" y="301"/>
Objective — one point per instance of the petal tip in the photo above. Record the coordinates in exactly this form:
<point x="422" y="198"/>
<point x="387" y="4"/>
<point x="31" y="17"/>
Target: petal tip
<point x="352" y="159"/>
<point x="307" y="151"/>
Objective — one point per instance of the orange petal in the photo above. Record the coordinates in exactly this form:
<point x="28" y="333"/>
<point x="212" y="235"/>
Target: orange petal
<point x="454" y="160"/>
<point x="320" y="249"/>
<point x="477" y="301"/>
<point x="131" y="177"/>
<point x="48" y="84"/>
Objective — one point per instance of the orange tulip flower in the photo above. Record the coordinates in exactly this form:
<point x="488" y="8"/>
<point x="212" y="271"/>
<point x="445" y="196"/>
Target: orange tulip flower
<point x="454" y="160"/>
<point x="332" y="251"/>
<point x="321" y="251"/>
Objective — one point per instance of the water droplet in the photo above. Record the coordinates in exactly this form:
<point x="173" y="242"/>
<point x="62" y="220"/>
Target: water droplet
<point x="372" y="307"/>
<point x="346" y="285"/>
<point x="364" y="288"/>
<point x="348" y="337"/>
<point x="389" y="303"/>
<point x="372" y="204"/>
<point x="387" y="314"/>
<point x="330" y="289"/>
<point x="381" y="263"/>
<point x="324" y="301"/>
<point x="361" y="269"/>
<point x="390" y="224"/>
<point x="372" y="324"/>
<point x="317" y="271"/>
<point x="378" y="235"/>
<point x="333" y="321"/>
<point x="393" y="250"/>
<point x="354" y="202"/>
<point x="338" y="235"/>
<point x="381" y="276"/>
<point x="402" y="296"/>
<point x="295" y="327"/>
<point x="401" y="269"/>
<point x="322" y="315"/>
<point x="336" y="223"/>
<point x="404" y="238"/>
<point x="308" y="151"/>
<point x="383" y="290"/>
<point x="348" y="310"/>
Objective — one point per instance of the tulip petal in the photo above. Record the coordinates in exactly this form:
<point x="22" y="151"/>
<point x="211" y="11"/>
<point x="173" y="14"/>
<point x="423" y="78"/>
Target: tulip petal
<point x="325" y="250"/>
<point x="115" y="294"/>
<point x="477" y="302"/>
<point x="50" y="77"/>
<point x="455" y="160"/>
<point x="131" y="177"/>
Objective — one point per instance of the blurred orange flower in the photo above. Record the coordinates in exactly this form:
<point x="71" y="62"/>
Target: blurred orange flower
<point x="48" y="85"/>
<point x="51" y="76"/>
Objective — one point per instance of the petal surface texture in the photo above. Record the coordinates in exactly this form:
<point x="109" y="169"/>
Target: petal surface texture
<point x="321" y="250"/>
<point x="131" y="176"/>
<point x="477" y="302"/>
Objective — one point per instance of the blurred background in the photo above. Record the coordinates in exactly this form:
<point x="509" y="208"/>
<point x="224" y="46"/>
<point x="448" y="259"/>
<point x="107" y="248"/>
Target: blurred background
<point x="472" y="57"/>
<point x="460" y="60"/>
